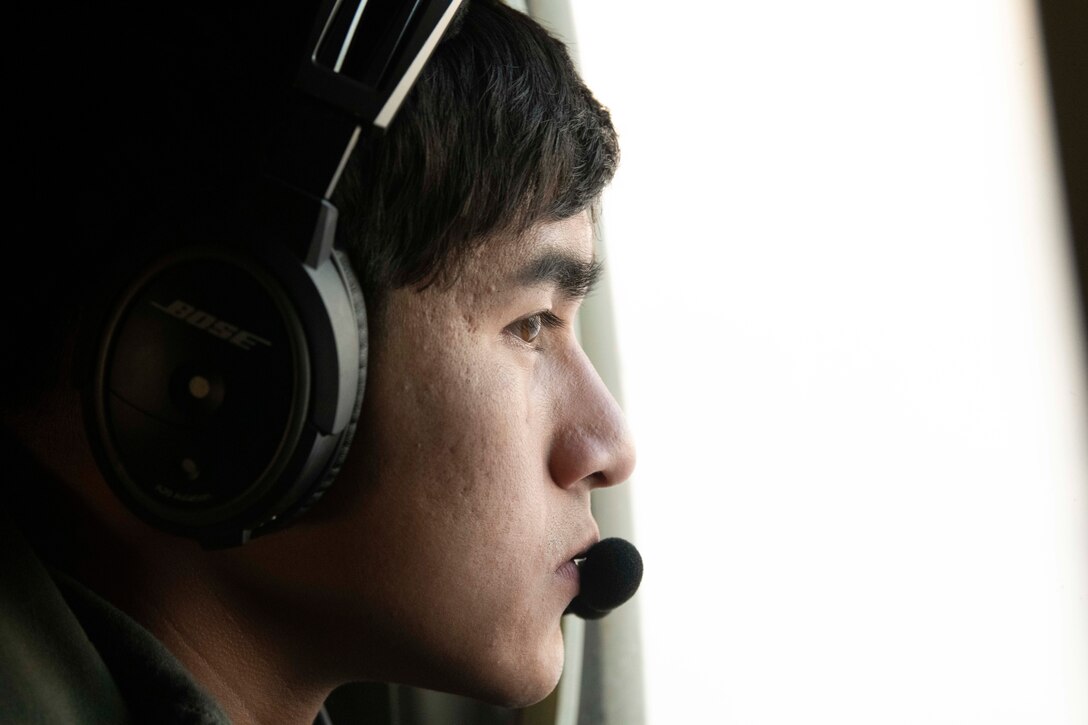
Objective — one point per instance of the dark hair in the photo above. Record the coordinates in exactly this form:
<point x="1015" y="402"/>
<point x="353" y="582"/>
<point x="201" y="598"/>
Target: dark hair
<point x="498" y="134"/>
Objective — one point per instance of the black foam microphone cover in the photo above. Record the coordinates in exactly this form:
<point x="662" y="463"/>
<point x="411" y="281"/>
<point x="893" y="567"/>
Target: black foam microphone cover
<point x="610" y="575"/>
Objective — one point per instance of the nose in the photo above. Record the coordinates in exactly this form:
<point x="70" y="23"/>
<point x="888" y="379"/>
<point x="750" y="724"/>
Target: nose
<point x="591" y="444"/>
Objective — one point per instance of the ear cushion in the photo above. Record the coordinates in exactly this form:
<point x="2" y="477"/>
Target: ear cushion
<point x="340" y="453"/>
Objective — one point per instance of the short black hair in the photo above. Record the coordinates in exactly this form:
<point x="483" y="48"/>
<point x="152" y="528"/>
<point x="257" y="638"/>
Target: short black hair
<point x="498" y="134"/>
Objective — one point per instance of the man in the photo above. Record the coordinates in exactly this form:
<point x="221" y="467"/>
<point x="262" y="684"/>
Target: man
<point x="442" y="555"/>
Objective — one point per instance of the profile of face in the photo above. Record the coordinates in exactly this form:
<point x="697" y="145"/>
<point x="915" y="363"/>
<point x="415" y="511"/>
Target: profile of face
<point x="444" y="549"/>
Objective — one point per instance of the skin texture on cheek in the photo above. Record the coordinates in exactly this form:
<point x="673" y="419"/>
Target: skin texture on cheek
<point x="434" y="559"/>
<point x="463" y="443"/>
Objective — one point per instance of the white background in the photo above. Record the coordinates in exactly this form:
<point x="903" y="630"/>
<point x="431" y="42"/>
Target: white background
<point x="849" y="359"/>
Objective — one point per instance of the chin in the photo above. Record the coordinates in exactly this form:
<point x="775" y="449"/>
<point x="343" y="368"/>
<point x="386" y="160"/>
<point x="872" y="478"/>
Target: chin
<point x="531" y="678"/>
<point x="524" y="691"/>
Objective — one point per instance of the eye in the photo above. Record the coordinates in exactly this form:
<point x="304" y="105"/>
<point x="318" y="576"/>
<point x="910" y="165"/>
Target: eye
<point x="528" y="329"/>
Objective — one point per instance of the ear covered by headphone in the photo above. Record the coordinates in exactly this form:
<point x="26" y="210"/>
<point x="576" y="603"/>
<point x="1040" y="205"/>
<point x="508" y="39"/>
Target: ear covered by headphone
<point x="226" y="386"/>
<point x="224" y="378"/>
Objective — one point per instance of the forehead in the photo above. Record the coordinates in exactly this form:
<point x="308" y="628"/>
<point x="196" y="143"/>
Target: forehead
<point x="503" y="259"/>
<point x="489" y="279"/>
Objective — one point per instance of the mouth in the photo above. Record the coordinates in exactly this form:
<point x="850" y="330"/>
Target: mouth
<point x="578" y="555"/>
<point x="569" y="567"/>
<point x="569" y="571"/>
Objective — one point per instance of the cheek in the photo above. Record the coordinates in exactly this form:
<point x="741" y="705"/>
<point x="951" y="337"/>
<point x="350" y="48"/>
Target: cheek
<point x="455" y="454"/>
<point x="465" y="446"/>
<point x="462" y="529"/>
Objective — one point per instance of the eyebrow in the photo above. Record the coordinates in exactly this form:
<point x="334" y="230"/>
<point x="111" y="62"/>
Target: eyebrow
<point x="574" y="278"/>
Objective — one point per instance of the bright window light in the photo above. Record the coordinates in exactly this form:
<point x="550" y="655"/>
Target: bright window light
<point x="850" y="361"/>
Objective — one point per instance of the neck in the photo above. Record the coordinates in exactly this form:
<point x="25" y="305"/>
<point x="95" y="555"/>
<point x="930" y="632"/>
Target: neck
<point x="249" y="654"/>
<point x="249" y="664"/>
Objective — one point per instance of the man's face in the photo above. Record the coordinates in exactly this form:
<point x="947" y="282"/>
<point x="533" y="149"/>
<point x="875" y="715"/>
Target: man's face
<point x="466" y="493"/>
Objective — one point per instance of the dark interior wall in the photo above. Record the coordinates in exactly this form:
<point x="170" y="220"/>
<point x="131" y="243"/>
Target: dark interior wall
<point x="1065" y="33"/>
<point x="123" y="122"/>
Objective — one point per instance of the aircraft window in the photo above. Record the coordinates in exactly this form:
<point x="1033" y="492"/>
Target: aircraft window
<point x="851" y="358"/>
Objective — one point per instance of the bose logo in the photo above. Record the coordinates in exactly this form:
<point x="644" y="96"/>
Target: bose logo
<point x="212" y="324"/>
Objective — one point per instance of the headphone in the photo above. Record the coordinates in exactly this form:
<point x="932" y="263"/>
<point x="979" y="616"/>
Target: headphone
<point x="225" y="377"/>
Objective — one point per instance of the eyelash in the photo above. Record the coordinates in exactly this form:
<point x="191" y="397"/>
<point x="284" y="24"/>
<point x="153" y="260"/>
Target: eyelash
<point x="548" y="321"/>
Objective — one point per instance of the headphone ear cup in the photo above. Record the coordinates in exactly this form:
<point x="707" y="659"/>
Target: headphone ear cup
<point x="179" y="404"/>
<point x="343" y="445"/>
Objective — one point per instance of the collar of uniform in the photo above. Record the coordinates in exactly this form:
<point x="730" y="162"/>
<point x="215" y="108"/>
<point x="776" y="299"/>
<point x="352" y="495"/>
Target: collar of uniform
<point x="154" y="684"/>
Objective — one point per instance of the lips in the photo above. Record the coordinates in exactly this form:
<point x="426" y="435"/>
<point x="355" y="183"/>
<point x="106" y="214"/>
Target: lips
<point x="578" y="554"/>
<point x="569" y="570"/>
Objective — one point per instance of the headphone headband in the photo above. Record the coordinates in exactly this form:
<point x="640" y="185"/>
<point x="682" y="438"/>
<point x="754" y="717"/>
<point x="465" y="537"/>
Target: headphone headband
<point x="228" y="374"/>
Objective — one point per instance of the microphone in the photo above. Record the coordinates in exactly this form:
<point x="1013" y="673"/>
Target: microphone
<point x="610" y="575"/>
